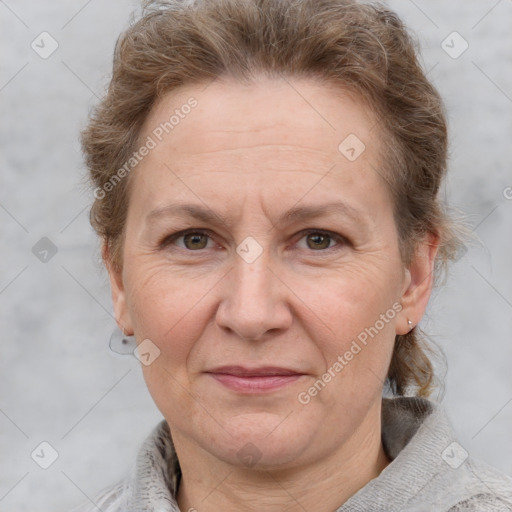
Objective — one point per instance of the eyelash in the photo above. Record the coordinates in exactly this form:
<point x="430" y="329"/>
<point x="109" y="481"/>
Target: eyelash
<point x="341" y="240"/>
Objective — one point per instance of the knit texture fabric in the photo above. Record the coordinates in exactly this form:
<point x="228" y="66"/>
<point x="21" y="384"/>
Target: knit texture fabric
<point x="429" y="471"/>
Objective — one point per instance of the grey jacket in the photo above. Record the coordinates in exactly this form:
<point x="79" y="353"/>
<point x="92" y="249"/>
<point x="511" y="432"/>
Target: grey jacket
<point x="429" y="472"/>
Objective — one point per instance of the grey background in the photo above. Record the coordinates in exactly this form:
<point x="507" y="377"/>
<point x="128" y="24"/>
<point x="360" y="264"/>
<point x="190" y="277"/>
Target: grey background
<point x="60" y="383"/>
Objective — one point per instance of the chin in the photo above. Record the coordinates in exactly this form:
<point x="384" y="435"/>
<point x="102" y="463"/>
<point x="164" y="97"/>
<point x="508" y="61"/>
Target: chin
<point x="261" y="441"/>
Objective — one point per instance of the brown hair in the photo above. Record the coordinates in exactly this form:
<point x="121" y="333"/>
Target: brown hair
<point x="359" y="47"/>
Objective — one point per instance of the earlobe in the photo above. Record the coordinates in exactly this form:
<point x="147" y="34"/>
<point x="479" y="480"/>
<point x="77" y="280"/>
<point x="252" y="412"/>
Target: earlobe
<point x="418" y="284"/>
<point x="118" y="293"/>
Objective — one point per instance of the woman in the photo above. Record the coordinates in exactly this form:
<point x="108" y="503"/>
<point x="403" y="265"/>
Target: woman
<point x="266" y="178"/>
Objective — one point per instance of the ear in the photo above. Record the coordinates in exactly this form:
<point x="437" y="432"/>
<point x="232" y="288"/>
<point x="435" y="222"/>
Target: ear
<point x="418" y="284"/>
<point x="118" y="292"/>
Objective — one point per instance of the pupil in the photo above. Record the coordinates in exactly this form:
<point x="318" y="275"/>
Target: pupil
<point x="320" y="241"/>
<point x="195" y="240"/>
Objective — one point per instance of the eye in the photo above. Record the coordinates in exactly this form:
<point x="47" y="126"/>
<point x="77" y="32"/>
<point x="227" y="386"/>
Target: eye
<point x="321" y="240"/>
<point x="197" y="240"/>
<point x="192" y="240"/>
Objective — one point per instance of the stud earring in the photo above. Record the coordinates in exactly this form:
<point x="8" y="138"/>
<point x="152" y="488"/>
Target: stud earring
<point x="120" y="343"/>
<point x="409" y="323"/>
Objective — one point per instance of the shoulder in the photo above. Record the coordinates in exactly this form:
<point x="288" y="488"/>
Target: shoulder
<point x="492" y="489"/>
<point x="148" y="481"/>
<point x="430" y="470"/>
<point x="483" y="503"/>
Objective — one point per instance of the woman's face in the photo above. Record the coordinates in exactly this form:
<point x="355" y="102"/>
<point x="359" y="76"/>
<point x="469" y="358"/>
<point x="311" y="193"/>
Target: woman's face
<point x="256" y="318"/>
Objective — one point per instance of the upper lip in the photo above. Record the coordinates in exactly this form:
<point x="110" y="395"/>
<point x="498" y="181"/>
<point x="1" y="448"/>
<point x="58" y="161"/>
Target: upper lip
<point x="262" y="371"/>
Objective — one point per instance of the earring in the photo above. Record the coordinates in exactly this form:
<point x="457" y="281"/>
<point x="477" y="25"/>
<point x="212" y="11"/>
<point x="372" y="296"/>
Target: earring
<point x="120" y="343"/>
<point x="409" y="323"/>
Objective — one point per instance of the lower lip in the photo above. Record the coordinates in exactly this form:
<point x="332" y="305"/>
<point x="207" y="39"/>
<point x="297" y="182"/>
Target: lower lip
<point x="255" y="384"/>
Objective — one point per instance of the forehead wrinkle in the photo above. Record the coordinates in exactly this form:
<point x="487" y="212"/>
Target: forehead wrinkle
<point x="193" y="163"/>
<point x="246" y="172"/>
<point x="283" y="147"/>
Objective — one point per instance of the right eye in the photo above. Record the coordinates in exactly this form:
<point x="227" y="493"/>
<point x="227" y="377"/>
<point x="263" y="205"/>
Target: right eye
<point x="192" y="240"/>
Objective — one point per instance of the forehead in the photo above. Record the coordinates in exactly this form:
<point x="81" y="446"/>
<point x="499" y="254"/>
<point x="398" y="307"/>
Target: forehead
<point x="229" y="115"/>
<point x="226" y="136"/>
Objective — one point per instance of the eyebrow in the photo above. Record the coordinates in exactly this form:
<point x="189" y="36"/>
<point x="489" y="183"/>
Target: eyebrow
<point x="201" y="213"/>
<point x="294" y="214"/>
<point x="298" y="213"/>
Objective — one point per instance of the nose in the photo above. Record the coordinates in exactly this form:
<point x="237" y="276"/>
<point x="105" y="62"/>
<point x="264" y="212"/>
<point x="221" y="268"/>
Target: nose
<point x="254" y="301"/>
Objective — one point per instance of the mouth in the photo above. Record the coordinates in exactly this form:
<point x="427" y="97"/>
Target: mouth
<point x="254" y="380"/>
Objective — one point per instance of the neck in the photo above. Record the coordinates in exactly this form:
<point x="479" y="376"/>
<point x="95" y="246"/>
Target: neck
<point x="209" y="485"/>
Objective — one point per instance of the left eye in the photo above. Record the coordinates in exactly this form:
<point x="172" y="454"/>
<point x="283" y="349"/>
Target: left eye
<point x="319" y="240"/>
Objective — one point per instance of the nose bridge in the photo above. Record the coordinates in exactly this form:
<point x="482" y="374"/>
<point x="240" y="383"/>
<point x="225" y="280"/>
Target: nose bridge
<point x="253" y="302"/>
<point x="253" y="281"/>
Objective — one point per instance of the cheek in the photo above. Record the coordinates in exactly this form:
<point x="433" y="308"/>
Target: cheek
<point x="169" y="310"/>
<point x="353" y="297"/>
<point x="356" y="311"/>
